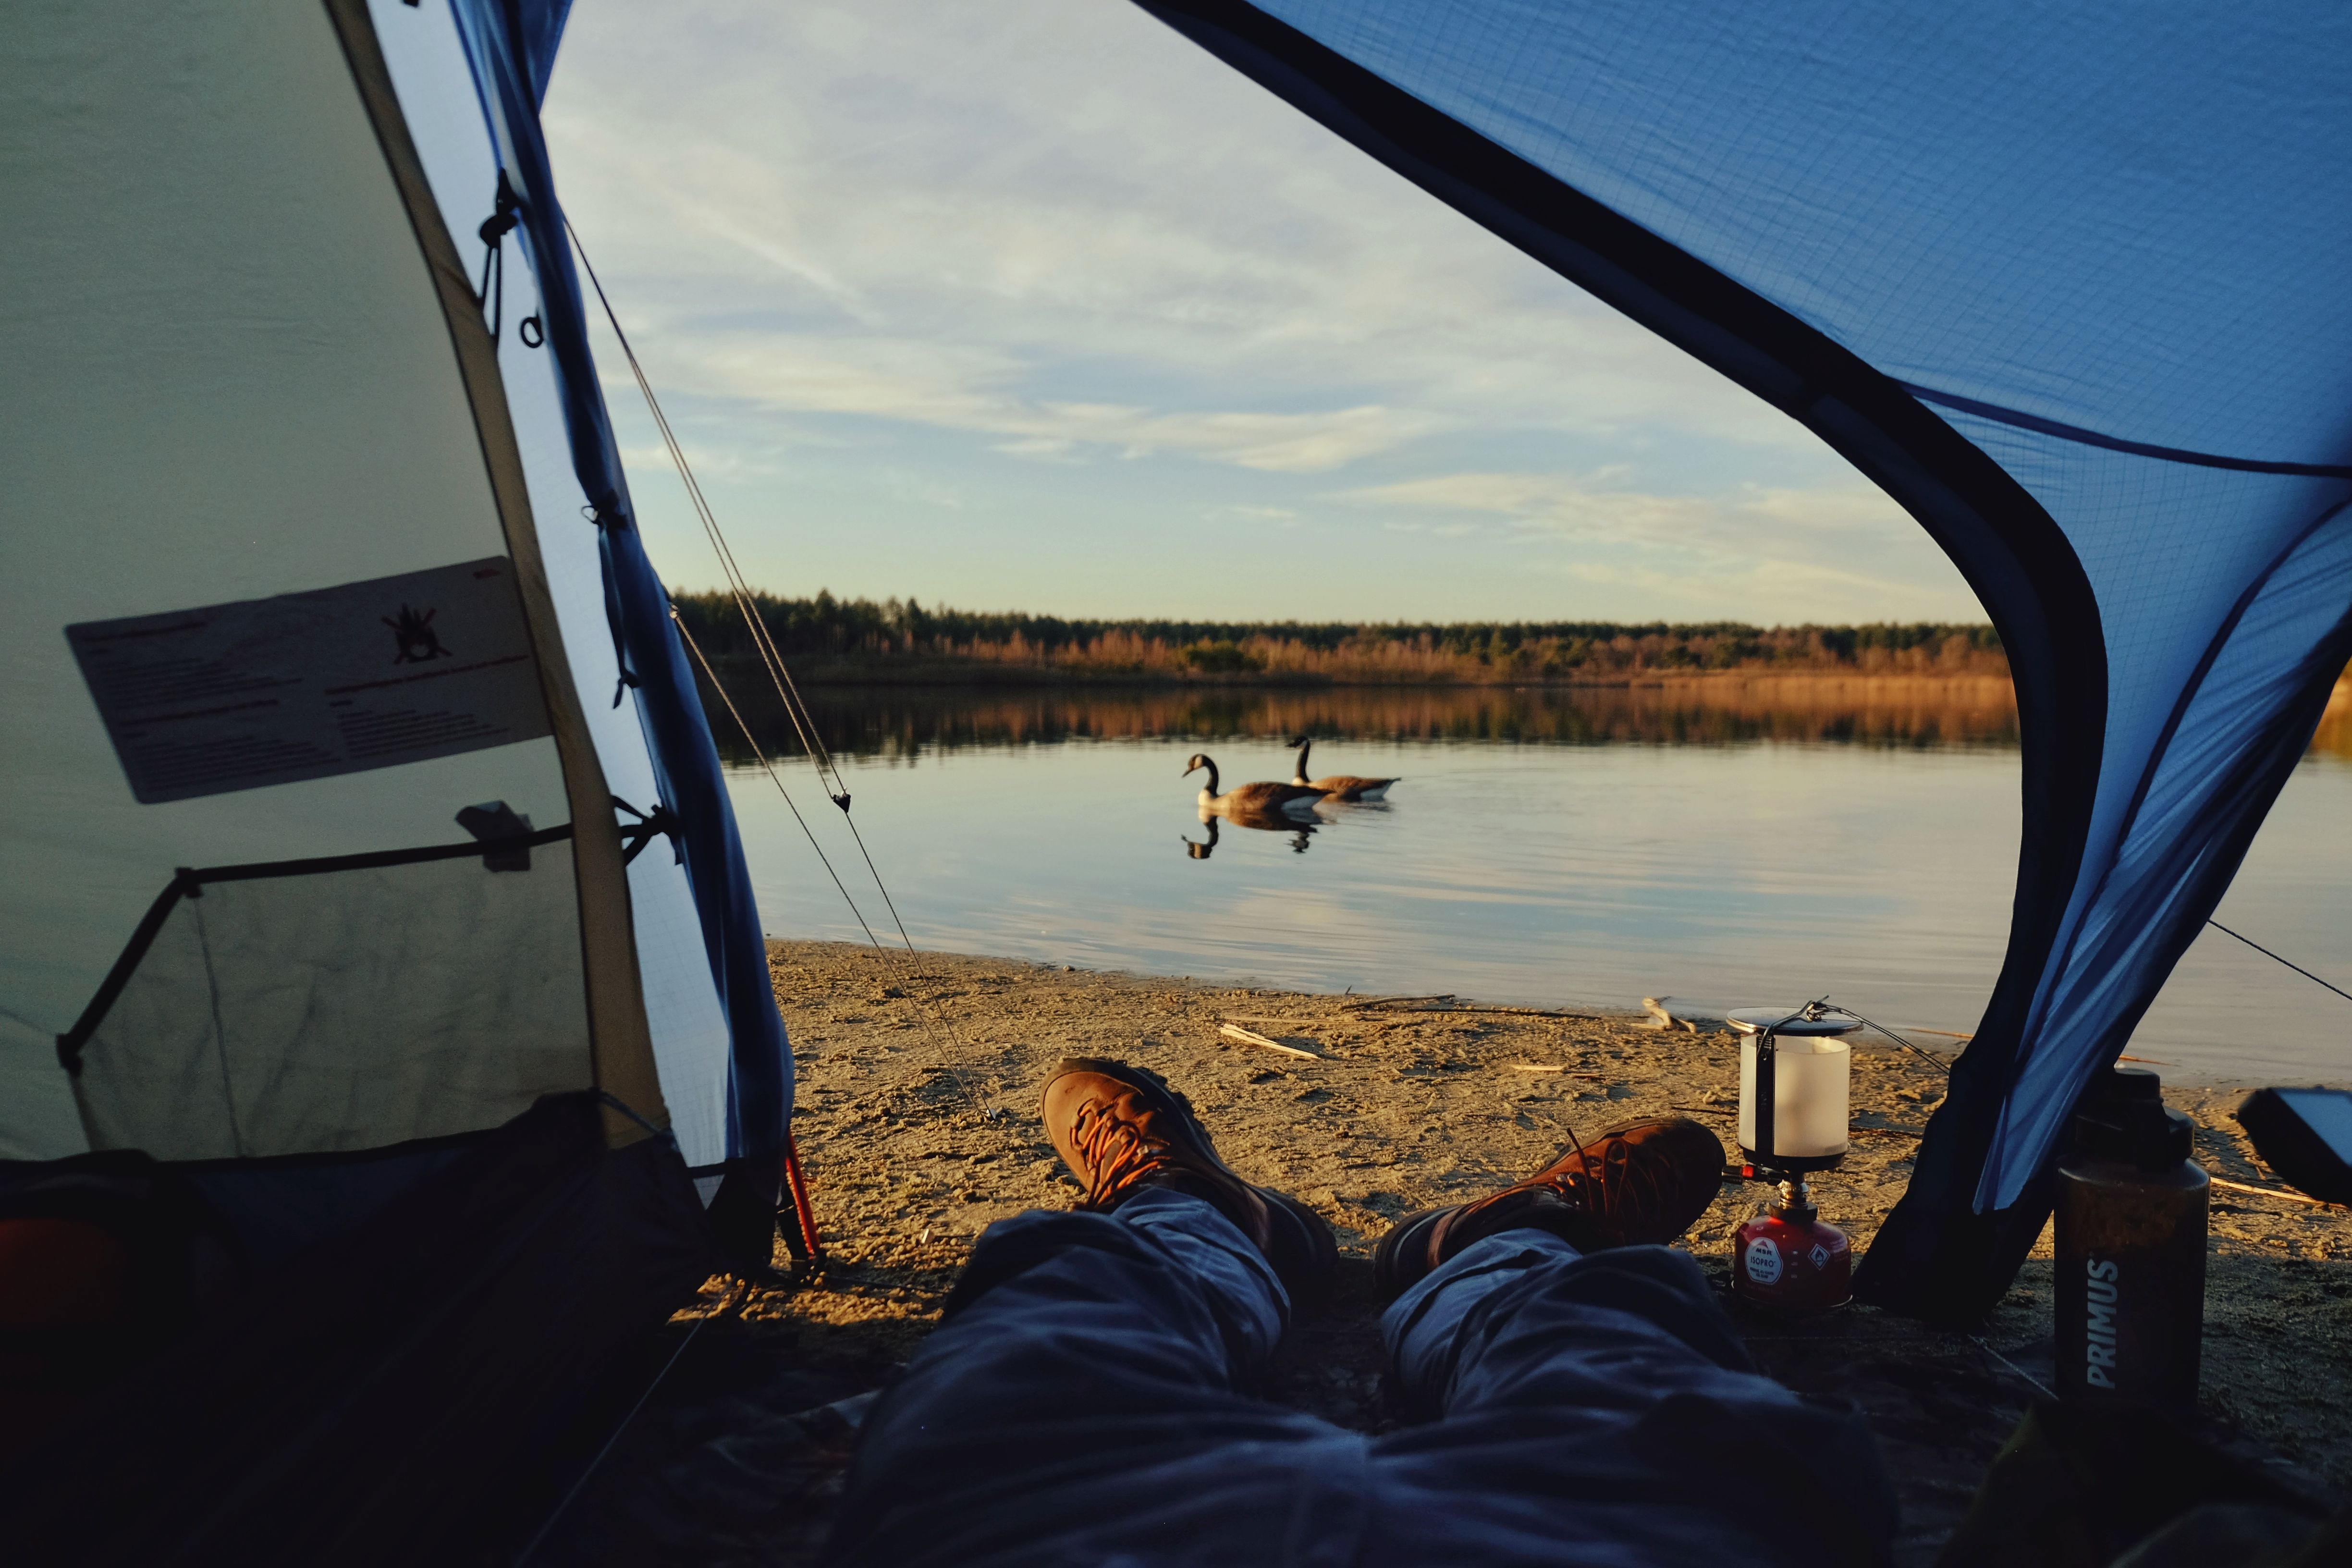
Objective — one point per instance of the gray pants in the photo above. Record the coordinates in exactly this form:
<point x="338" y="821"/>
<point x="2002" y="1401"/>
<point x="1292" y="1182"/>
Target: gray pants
<point x="1080" y="1407"/>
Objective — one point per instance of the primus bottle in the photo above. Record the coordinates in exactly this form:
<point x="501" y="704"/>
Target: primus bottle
<point x="2131" y="1250"/>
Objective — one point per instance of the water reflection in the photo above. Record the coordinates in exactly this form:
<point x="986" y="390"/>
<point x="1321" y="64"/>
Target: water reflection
<point x="1271" y="822"/>
<point x="900" y="722"/>
<point x="1554" y="846"/>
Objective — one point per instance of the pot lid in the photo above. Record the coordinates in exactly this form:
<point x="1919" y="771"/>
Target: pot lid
<point x="1756" y="1020"/>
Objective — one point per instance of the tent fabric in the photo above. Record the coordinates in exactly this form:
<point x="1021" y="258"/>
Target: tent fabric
<point x="208" y="1052"/>
<point x="394" y="1400"/>
<point x="426" y="60"/>
<point x="333" y="897"/>
<point x="510" y="44"/>
<point x="231" y="382"/>
<point x="235" y="401"/>
<point x="2062" y="281"/>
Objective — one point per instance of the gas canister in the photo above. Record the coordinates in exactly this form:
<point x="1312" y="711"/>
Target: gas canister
<point x="1789" y="1259"/>
<point x="2130" y="1250"/>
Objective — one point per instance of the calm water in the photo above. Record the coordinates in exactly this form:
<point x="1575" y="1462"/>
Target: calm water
<point x="1546" y="848"/>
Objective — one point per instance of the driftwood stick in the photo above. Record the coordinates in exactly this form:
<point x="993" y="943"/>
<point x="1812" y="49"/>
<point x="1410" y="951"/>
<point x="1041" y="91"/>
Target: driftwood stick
<point x="1264" y="1042"/>
<point x="1460" y="1007"/>
<point x="2273" y="1192"/>
<point x="1447" y="1001"/>
<point x="1527" y="1012"/>
<point x="1664" y="1017"/>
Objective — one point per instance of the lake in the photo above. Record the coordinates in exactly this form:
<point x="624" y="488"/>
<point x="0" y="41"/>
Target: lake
<point x="1739" y="846"/>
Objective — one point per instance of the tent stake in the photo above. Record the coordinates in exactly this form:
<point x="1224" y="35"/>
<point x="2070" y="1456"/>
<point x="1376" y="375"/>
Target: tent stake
<point x="813" y="1247"/>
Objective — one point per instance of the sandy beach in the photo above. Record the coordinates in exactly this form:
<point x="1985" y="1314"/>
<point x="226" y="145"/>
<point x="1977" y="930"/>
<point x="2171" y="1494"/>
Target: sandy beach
<point x="916" y="1123"/>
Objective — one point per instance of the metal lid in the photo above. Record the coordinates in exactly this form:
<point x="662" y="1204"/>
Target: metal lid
<point x="1756" y="1020"/>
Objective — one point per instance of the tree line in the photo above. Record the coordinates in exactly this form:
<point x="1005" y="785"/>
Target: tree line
<point x="898" y="629"/>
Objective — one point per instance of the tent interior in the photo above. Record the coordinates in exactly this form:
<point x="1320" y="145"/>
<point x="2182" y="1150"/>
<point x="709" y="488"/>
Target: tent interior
<point x="376" y="900"/>
<point x="380" y="907"/>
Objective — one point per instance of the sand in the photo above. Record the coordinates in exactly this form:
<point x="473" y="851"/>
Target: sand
<point x="916" y="1120"/>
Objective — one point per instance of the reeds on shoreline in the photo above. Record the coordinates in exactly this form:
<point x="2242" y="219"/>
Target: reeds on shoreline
<point x="1795" y="673"/>
<point x="899" y="639"/>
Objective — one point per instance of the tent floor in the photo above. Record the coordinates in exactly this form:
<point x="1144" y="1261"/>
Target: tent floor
<point x="731" y="1462"/>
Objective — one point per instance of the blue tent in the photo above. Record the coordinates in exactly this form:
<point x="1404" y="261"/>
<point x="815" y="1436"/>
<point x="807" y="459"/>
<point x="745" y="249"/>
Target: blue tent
<point x="333" y="616"/>
<point x="2060" y="281"/>
<point x="2066" y="283"/>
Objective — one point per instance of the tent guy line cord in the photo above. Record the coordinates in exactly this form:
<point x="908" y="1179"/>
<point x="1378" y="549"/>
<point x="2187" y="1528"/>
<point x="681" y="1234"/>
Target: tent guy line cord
<point x="2266" y="953"/>
<point x="889" y="959"/>
<point x="737" y="586"/>
<point x="734" y="1302"/>
<point x="1945" y="1067"/>
<point x="787" y="690"/>
<point x="1986" y="1346"/>
<point x="770" y="769"/>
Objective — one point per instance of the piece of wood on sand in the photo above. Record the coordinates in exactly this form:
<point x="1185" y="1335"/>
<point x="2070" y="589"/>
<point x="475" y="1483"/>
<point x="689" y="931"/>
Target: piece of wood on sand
<point x="1264" y="1042"/>
<point x="1663" y="1016"/>
<point x="1448" y="1004"/>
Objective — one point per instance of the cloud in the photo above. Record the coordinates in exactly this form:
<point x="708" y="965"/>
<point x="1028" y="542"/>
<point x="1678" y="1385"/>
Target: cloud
<point x="1041" y="448"/>
<point x="1845" y="549"/>
<point x="1585" y="509"/>
<point x="1744" y="590"/>
<point x="1562" y="507"/>
<point x="922" y="381"/>
<point x="1081" y="268"/>
<point x="1034" y="183"/>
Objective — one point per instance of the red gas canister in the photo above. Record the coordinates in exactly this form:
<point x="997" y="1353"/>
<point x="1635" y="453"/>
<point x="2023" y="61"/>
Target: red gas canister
<point x="1790" y="1260"/>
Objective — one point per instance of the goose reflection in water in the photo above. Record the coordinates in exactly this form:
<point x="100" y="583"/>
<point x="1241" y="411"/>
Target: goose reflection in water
<point x="1270" y="822"/>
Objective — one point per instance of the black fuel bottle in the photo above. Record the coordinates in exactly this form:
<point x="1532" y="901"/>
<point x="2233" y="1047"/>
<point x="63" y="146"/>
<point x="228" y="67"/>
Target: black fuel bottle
<point x="2130" y="1250"/>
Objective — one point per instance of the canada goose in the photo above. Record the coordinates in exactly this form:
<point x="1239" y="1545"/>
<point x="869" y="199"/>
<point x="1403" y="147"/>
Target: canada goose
<point x="1243" y="802"/>
<point x="1338" y="787"/>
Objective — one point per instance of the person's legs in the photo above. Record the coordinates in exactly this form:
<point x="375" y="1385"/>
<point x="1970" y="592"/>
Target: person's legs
<point x="1079" y="1405"/>
<point x="1591" y="1402"/>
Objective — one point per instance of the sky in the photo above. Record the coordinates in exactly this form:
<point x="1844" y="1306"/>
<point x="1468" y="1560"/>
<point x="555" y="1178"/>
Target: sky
<point x="1036" y="306"/>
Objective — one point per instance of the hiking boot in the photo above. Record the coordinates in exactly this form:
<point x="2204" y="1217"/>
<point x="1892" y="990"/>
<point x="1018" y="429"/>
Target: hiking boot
<point x="1121" y="1128"/>
<point x="1638" y="1181"/>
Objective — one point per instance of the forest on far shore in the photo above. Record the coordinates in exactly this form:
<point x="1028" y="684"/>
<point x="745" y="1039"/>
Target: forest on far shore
<point x="899" y="639"/>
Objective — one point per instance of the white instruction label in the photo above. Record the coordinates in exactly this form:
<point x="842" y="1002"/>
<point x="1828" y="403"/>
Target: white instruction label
<point x="306" y="686"/>
<point x="1763" y="1261"/>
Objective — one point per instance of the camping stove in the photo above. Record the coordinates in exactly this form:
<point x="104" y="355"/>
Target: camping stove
<point x="1793" y="1070"/>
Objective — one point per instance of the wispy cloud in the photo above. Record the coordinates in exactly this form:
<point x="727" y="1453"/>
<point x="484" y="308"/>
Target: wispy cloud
<point x="1724" y="553"/>
<point x="949" y="387"/>
<point x="1074" y="265"/>
<point x="1591" y="508"/>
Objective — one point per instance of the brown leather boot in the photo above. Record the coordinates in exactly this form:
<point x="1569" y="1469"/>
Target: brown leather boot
<point x="1121" y="1128"/>
<point x="1638" y="1181"/>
